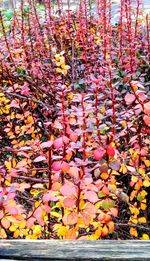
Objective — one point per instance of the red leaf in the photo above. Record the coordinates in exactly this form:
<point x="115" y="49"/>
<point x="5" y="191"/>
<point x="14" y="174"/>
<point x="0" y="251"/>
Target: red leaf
<point x="99" y="153"/>
<point x="58" y="143"/>
<point x="56" y="166"/>
<point x="110" y="150"/>
<point x="46" y="144"/>
<point x="91" y="196"/>
<point x="68" y="190"/>
<point x="39" y="159"/>
<point x="129" y="98"/>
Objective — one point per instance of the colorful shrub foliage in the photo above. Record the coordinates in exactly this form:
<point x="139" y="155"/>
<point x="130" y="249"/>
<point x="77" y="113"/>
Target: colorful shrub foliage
<point x="75" y="123"/>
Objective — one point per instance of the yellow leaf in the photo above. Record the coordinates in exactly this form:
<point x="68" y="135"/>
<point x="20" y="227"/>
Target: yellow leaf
<point x="133" y="220"/>
<point x="92" y="237"/>
<point x="142" y="220"/>
<point x="135" y="211"/>
<point x="37" y="230"/>
<point x="103" y="109"/>
<point x="61" y="231"/>
<point x="143" y="206"/>
<point x="58" y="70"/>
<point x="56" y="214"/>
<point x="81" y="204"/>
<point x="22" y="224"/>
<point x="134" y="179"/>
<point x="145" y="237"/>
<point x="13" y="227"/>
<point x="146" y="183"/>
<point x="8" y="165"/>
<point x="142" y="172"/>
<point x="57" y="57"/>
<point x="16" y="233"/>
<point x="98" y="232"/>
<point x="124" y="124"/>
<point x="70" y="95"/>
<point x="107" y="55"/>
<point x="143" y="193"/>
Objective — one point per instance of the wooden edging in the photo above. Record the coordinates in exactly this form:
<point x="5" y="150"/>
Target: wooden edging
<point x="40" y="250"/>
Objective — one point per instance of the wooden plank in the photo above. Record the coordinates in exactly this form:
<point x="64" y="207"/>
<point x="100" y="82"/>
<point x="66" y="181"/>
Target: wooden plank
<point x="74" y="250"/>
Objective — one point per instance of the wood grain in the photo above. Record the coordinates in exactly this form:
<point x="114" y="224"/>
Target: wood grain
<point x="55" y="250"/>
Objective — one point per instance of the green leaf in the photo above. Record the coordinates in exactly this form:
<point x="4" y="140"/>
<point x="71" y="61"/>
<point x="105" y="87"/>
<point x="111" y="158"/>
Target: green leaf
<point x="139" y="197"/>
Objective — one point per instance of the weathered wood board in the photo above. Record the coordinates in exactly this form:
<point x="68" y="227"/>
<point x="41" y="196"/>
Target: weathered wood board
<point x="40" y="250"/>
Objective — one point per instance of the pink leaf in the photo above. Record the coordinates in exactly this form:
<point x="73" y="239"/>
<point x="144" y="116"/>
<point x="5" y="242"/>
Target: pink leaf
<point x="142" y="96"/>
<point x="91" y="196"/>
<point x="30" y="222"/>
<point x="46" y="144"/>
<point x="12" y="210"/>
<point x="56" y="166"/>
<point x="73" y="137"/>
<point x="49" y="197"/>
<point x="21" y="163"/>
<point x="38" y="213"/>
<point x="69" y="202"/>
<point x="129" y="98"/>
<point x="65" y="139"/>
<point x="99" y="153"/>
<point x="58" y="143"/>
<point x="39" y="159"/>
<point x="68" y="190"/>
<point x="74" y="172"/>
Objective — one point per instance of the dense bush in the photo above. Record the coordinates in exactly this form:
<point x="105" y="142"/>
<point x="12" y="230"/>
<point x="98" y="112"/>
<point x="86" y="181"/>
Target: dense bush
<point x="75" y="123"/>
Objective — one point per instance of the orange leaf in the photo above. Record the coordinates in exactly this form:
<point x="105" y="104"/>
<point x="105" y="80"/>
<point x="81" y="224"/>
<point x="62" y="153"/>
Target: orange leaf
<point x="146" y="119"/>
<point x="70" y="219"/>
<point x="147" y="107"/>
<point x="114" y="211"/>
<point x="5" y="223"/>
<point x="105" y="231"/>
